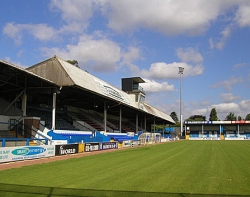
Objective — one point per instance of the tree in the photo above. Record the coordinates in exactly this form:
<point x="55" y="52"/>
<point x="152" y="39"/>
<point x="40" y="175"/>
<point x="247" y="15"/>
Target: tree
<point x="247" y="117"/>
<point x="239" y="118"/>
<point x="231" y="116"/>
<point x="73" y="62"/>
<point x="213" y="115"/>
<point x="174" y="116"/>
<point x="196" y="118"/>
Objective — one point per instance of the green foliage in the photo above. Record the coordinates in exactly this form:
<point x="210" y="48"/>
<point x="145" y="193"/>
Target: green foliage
<point x="247" y="117"/>
<point x="73" y="62"/>
<point x="174" y="117"/>
<point x="213" y="115"/>
<point x="196" y="118"/>
<point x="172" y="169"/>
<point x="231" y="116"/>
<point x="159" y="127"/>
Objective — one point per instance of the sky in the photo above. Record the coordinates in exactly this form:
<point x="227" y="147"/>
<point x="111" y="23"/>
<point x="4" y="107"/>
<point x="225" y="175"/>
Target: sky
<point x="150" y="39"/>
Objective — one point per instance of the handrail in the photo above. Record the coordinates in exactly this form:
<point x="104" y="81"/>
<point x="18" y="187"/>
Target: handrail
<point x="20" y="127"/>
<point x="25" y="128"/>
<point x="27" y="140"/>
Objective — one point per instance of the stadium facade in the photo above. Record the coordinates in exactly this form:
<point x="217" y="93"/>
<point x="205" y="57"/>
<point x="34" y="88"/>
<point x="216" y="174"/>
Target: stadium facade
<point x="66" y="99"/>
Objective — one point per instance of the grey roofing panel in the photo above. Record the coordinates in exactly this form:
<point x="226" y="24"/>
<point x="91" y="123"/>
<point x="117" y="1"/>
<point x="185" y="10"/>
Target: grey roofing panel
<point x="85" y="80"/>
<point x="66" y="74"/>
<point x="26" y="71"/>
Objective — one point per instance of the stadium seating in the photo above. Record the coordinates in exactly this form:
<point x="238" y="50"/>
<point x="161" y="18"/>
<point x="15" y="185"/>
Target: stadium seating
<point x="62" y="119"/>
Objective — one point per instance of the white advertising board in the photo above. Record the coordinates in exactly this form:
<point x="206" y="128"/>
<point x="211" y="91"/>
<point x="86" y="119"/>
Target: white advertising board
<point x="8" y="154"/>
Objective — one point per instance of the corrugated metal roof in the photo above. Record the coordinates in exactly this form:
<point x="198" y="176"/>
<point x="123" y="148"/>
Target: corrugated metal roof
<point x="85" y="80"/>
<point x="26" y="71"/>
<point x="158" y="113"/>
<point x="75" y="76"/>
<point x="88" y="81"/>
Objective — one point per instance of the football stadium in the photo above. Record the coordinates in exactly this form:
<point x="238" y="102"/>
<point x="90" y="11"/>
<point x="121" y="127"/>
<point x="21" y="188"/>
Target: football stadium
<point x="105" y="140"/>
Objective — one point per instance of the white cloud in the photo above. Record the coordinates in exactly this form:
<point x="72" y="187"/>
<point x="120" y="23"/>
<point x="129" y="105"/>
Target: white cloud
<point x="169" y="17"/>
<point x="128" y="57"/>
<point x="226" y="108"/>
<point x="228" y="97"/>
<point x="243" y="16"/>
<point x="201" y="111"/>
<point x="244" y="105"/>
<point x="228" y="84"/>
<point x="13" y="31"/>
<point x="131" y="55"/>
<point x="223" y="109"/>
<point x="153" y="86"/>
<point x="8" y="59"/>
<point x="70" y="28"/>
<point x="189" y="55"/>
<point x="239" y="65"/>
<point x="161" y="70"/>
<point x="41" y="32"/>
<point x="98" y="54"/>
<point x="73" y="10"/>
<point x="220" y="43"/>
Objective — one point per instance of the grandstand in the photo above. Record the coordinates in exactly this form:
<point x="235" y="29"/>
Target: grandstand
<point x="217" y="130"/>
<point x="56" y="102"/>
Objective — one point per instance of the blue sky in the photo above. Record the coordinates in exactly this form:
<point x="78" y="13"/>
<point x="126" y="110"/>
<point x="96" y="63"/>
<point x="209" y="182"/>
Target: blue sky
<point x="145" y="38"/>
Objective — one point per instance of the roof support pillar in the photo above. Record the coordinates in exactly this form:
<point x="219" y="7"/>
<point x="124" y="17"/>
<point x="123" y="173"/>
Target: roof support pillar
<point x="238" y="130"/>
<point x="24" y="109"/>
<point x="136" y="123"/>
<point x="105" y="117"/>
<point x="54" y="112"/>
<point x="145" y="123"/>
<point x="202" y="131"/>
<point x="120" y="119"/>
<point x="24" y="103"/>
<point x="185" y="131"/>
<point x="163" y="129"/>
<point x="154" y="124"/>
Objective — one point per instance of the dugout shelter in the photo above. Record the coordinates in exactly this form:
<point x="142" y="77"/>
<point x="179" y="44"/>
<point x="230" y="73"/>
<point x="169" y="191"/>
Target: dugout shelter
<point x="217" y="130"/>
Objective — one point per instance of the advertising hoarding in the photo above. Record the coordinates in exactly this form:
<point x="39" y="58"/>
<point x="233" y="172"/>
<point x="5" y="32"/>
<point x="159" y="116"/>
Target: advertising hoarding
<point x="92" y="147"/>
<point x="66" y="149"/>
<point x="8" y="154"/>
<point x="108" y="145"/>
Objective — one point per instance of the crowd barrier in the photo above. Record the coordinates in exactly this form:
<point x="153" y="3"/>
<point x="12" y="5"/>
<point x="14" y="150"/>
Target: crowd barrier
<point x="9" y="154"/>
<point x="18" y="153"/>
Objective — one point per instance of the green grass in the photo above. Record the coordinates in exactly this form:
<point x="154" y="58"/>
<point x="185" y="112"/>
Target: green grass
<point x="185" y="168"/>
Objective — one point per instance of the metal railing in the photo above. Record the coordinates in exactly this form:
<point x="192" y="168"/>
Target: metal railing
<point x="28" y="135"/>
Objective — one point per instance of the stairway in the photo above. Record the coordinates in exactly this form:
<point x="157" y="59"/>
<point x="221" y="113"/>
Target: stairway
<point x="7" y="134"/>
<point x="32" y="143"/>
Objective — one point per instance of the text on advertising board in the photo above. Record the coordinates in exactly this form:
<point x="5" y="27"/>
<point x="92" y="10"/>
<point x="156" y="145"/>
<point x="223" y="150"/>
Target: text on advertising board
<point x="92" y="147"/>
<point x="66" y="149"/>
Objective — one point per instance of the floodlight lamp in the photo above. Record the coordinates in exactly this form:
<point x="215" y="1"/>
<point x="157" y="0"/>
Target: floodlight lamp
<point x="181" y="69"/>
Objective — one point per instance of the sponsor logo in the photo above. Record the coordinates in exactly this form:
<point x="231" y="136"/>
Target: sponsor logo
<point x="89" y="148"/>
<point x="67" y="151"/>
<point x="110" y="91"/>
<point x="109" y="145"/>
<point x="28" y="151"/>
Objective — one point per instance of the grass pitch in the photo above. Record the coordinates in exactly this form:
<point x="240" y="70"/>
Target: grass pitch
<point x="184" y="168"/>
